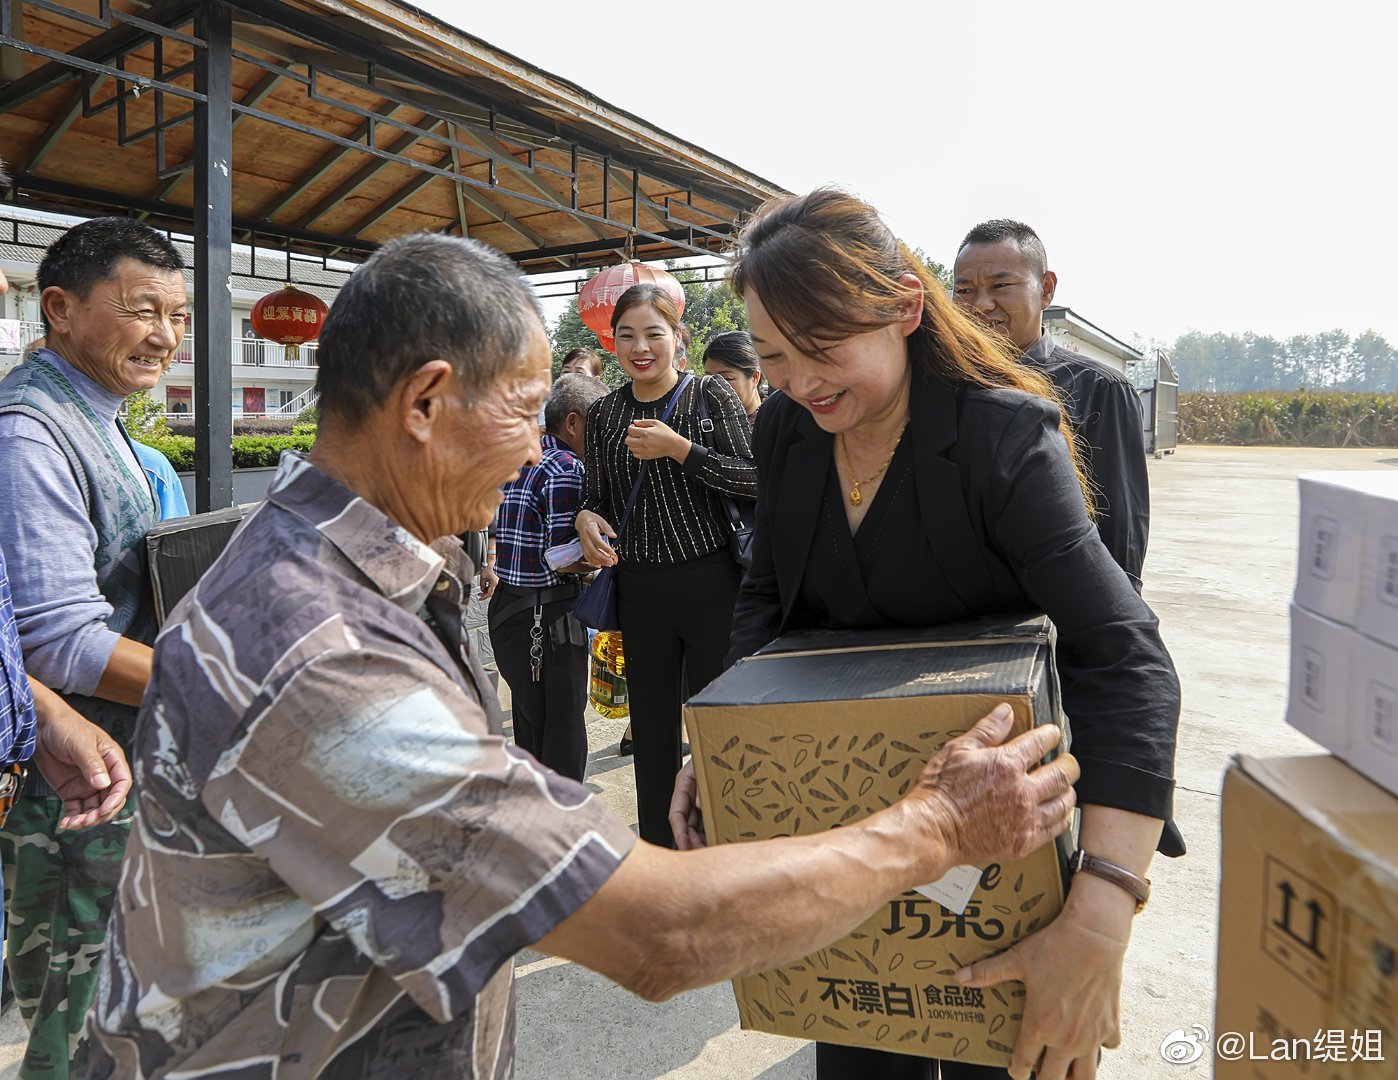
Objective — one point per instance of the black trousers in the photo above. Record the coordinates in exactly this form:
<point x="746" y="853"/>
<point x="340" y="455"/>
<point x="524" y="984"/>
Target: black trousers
<point x="857" y="1063"/>
<point x="675" y="622"/>
<point x="548" y="714"/>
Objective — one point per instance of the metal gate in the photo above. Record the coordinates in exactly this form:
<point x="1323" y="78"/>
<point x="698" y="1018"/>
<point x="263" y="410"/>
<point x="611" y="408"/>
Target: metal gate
<point x="1163" y="435"/>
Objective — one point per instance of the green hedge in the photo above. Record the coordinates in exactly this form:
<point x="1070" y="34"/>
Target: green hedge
<point x="1298" y="418"/>
<point x="249" y="451"/>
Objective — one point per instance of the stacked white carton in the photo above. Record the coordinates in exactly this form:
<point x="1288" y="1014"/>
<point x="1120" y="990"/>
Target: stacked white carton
<point x="1344" y="621"/>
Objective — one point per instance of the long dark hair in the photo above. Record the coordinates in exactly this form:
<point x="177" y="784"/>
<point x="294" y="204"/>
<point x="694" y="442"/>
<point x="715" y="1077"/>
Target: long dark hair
<point x="734" y="349"/>
<point x="826" y="268"/>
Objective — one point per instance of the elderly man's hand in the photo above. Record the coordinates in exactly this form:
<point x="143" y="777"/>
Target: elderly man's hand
<point x="988" y="801"/>
<point x="81" y="762"/>
<point x="489" y="579"/>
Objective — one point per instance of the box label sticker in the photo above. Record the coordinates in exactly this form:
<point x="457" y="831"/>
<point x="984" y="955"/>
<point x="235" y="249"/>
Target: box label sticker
<point x="1388" y="571"/>
<point x="1325" y="538"/>
<point x="1313" y="677"/>
<point x="1380" y="705"/>
<point x="1299" y="926"/>
<point x="954" y="888"/>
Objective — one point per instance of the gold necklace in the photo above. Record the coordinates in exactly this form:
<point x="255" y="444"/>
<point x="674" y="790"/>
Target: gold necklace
<point x="854" y="497"/>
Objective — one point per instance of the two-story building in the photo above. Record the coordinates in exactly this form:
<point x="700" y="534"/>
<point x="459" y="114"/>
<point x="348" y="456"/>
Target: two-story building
<point x="268" y="380"/>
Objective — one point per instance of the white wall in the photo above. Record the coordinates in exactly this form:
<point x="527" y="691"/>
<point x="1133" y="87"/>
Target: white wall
<point x="1065" y="338"/>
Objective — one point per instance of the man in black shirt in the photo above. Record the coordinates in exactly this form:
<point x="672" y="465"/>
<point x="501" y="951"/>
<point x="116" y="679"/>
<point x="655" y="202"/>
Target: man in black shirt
<point x="1001" y="273"/>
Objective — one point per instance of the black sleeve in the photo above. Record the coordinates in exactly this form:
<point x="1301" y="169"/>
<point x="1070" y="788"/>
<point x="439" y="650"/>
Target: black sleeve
<point x="758" y="612"/>
<point x="1120" y="690"/>
<point x="594" y="479"/>
<point x="1113" y="431"/>
<point x="728" y="467"/>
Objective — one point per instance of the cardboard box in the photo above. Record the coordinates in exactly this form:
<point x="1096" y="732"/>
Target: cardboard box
<point x="822" y="729"/>
<point x="1348" y="565"/>
<point x="1378" y="577"/>
<point x="1308" y="924"/>
<point x="181" y="549"/>
<point x="1373" y="712"/>
<point x="1319" y="702"/>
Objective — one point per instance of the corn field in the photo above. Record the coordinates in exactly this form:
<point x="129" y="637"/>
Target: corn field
<point x="1294" y="418"/>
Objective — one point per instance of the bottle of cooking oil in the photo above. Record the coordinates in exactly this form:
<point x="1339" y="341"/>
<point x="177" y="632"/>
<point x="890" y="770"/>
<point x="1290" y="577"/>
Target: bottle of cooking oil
<point x="607" y="687"/>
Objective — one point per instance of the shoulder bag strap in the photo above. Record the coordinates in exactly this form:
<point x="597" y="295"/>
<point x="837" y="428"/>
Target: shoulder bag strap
<point x="706" y="433"/>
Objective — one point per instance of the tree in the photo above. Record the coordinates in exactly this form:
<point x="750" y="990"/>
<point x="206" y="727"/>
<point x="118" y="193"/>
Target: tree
<point x="710" y="308"/>
<point x="940" y="272"/>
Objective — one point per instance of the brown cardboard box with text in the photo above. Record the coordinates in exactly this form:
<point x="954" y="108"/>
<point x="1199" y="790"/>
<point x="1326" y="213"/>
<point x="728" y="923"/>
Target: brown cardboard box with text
<point x="1308" y="927"/>
<point x="820" y="730"/>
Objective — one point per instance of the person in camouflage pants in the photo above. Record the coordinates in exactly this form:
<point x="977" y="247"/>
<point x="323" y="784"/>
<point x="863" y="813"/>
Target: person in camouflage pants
<point x="52" y="875"/>
<point x="75" y="506"/>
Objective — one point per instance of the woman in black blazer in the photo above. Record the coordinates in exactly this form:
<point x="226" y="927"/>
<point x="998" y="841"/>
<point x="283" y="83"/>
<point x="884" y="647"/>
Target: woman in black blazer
<point x="911" y="472"/>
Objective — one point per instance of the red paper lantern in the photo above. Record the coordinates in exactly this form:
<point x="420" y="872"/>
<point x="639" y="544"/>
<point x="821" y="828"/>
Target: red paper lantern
<point x="290" y="317"/>
<point x="598" y="298"/>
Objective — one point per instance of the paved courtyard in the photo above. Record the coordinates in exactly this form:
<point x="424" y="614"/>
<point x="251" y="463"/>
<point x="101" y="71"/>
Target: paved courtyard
<point x="1219" y="574"/>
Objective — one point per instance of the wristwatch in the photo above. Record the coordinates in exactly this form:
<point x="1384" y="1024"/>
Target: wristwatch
<point x="1080" y="862"/>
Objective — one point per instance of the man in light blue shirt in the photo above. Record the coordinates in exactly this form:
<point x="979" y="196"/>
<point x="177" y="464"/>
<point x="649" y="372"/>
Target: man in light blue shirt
<point x="164" y="481"/>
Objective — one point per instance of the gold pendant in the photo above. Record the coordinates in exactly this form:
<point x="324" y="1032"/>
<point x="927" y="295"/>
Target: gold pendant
<point x="854" y="497"/>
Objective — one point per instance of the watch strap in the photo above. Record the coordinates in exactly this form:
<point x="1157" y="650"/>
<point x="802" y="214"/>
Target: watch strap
<point x="1081" y="862"/>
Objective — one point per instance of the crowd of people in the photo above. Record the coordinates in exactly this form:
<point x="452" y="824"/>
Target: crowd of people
<point x="332" y="852"/>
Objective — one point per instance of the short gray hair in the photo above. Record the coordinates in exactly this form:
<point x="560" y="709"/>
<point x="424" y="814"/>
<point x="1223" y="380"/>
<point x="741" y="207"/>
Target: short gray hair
<point x="573" y="392"/>
<point x="419" y="298"/>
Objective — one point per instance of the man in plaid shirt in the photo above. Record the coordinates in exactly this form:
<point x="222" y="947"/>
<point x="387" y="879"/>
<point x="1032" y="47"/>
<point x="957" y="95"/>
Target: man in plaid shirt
<point x="540" y="648"/>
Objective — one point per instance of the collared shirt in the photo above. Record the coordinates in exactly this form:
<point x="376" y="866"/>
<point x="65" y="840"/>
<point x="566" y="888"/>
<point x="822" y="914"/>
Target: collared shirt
<point x="336" y="852"/>
<point x="1106" y="414"/>
<point x="16" y="699"/>
<point x="537" y="514"/>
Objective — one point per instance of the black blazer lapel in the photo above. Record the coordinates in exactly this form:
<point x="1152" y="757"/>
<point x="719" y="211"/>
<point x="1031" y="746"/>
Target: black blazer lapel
<point x="798" y="507"/>
<point x="941" y="496"/>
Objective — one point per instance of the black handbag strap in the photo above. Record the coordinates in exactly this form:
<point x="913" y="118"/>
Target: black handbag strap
<point x="706" y="433"/>
<point x="641" y="475"/>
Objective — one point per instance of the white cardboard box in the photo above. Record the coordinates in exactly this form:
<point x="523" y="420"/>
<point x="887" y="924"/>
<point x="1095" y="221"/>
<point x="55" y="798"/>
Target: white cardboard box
<point x="1373" y="736"/>
<point x="1348" y="564"/>
<point x="1318" y="704"/>
<point x="1378" y="578"/>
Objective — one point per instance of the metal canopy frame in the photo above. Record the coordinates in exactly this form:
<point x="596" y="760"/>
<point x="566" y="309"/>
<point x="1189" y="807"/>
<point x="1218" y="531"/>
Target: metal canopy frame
<point x="551" y="177"/>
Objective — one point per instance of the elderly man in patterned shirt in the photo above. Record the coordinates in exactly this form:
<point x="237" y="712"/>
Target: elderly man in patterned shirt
<point x="336" y="852"/>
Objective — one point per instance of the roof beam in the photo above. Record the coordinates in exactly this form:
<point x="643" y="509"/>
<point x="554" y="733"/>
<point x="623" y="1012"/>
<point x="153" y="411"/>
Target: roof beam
<point x="455" y="134"/>
<point x="62" y="121"/>
<point x="255" y="96"/>
<point x="99" y="49"/>
<point x="327" y="162"/>
<point x="363" y="175"/>
<point x="393" y="202"/>
<point x="388" y="61"/>
<point x="494" y="148"/>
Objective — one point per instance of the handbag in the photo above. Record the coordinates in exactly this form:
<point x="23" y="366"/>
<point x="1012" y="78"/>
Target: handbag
<point x="740" y="539"/>
<point x="597" y="608"/>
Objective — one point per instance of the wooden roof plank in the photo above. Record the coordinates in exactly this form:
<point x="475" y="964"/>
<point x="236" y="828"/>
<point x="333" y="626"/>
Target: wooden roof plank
<point x="96" y="50"/>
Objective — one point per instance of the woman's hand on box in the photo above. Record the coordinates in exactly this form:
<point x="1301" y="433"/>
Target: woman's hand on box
<point x="685" y="820"/>
<point x="1072" y="969"/>
<point x="1072" y="974"/>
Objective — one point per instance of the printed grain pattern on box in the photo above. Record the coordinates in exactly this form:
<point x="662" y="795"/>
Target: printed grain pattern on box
<point x="821" y="730"/>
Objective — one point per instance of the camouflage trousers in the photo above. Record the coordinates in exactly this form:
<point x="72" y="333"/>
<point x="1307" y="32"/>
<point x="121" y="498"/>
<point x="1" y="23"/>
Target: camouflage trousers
<point x="59" y="890"/>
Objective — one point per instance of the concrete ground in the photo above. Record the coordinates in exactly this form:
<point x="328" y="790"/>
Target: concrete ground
<point x="1219" y="574"/>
